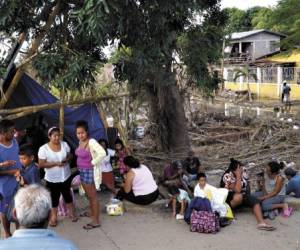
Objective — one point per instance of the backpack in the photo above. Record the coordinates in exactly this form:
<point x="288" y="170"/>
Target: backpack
<point x="204" y="222"/>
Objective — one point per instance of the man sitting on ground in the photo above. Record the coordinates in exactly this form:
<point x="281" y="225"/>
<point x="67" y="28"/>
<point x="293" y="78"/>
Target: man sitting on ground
<point x="32" y="209"/>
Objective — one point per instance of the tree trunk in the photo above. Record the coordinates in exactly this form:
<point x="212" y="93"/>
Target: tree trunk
<point x="167" y="113"/>
<point x="31" y="51"/>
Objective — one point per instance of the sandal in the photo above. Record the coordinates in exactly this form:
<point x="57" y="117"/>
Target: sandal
<point x="53" y="224"/>
<point x="85" y="214"/>
<point x="287" y="212"/>
<point x="90" y="226"/>
<point x="266" y="227"/>
<point x="74" y="219"/>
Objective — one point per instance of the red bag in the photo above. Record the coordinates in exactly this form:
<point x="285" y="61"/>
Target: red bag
<point x="204" y="222"/>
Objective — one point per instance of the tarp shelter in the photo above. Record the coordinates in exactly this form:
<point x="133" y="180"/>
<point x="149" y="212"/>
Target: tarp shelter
<point x="29" y="92"/>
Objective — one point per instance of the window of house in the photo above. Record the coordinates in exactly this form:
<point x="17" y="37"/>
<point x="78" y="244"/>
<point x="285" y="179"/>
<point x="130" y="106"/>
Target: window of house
<point x="288" y="73"/>
<point x="274" y="46"/>
<point x="230" y="75"/>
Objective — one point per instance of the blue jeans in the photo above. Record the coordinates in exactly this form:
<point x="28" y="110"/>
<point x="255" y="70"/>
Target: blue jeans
<point x="267" y="204"/>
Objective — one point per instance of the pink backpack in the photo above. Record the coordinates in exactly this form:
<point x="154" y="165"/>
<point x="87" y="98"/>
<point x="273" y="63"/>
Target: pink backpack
<point x="204" y="222"/>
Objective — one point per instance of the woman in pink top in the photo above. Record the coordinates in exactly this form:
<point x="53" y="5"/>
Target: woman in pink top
<point x="88" y="153"/>
<point x="139" y="186"/>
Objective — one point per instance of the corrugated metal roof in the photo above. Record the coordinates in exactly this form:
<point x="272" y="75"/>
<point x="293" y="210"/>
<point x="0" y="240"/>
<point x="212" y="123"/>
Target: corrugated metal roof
<point x="241" y="35"/>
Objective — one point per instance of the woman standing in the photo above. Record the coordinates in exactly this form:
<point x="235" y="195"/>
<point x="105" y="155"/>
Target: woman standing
<point x="54" y="157"/>
<point x="89" y="154"/>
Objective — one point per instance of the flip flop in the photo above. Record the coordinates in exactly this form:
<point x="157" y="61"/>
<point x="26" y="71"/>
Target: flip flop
<point x="74" y="219"/>
<point x="85" y="214"/>
<point x="53" y="224"/>
<point x="90" y="226"/>
<point x="266" y="227"/>
<point x="288" y="212"/>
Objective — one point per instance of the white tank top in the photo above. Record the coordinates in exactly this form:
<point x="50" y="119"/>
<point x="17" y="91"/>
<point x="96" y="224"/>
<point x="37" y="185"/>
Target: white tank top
<point x="143" y="182"/>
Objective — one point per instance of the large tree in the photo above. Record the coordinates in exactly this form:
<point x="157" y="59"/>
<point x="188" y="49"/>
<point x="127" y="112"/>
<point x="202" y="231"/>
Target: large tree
<point x="155" y="34"/>
<point x="61" y="55"/>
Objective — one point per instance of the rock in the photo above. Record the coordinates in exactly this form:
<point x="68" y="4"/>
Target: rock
<point x="215" y="172"/>
<point x="293" y="202"/>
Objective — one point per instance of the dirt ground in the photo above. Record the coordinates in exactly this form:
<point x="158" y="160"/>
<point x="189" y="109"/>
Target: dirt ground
<point x="153" y="228"/>
<point x="143" y="228"/>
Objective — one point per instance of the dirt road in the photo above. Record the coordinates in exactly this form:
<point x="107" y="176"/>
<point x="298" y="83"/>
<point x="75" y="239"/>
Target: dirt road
<point x="153" y="228"/>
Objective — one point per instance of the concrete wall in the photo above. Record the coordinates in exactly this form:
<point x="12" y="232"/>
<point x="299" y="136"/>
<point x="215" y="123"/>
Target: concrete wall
<point x="271" y="90"/>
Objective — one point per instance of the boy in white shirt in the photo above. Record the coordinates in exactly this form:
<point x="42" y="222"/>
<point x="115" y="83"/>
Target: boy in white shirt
<point x="202" y="189"/>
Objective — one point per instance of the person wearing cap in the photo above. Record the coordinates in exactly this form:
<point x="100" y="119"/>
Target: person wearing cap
<point x="54" y="157"/>
<point x="293" y="185"/>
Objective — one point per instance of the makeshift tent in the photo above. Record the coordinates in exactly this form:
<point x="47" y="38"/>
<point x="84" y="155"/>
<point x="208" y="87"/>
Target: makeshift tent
<point x="29" y="92"/>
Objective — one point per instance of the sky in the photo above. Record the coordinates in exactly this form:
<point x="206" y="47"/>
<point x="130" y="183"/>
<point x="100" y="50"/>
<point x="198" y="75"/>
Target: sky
<point x="245" y="4"/>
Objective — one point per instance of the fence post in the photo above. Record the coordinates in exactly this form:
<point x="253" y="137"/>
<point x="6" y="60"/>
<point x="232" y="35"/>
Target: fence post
<point x="279" y="80"/>
<point x="258" y="82"/>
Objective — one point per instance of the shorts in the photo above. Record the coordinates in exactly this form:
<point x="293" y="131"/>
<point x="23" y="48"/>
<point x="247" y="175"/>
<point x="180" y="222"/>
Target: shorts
<point x="87" y="176"/>
<point x="60" y="188"/>
<point x="248" y="199"/>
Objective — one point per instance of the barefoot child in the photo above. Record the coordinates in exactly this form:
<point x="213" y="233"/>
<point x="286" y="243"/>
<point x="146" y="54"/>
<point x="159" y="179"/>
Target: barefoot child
<point x="181" y="197"/>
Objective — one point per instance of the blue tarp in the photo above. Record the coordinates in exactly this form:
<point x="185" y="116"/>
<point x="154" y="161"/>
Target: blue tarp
<point x="29" y="92"/>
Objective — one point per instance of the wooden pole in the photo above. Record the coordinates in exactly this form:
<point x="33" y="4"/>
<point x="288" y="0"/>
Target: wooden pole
<point x="20" y="112"/>
<point x="62" y="114"/>
<point x="31" y="51"/>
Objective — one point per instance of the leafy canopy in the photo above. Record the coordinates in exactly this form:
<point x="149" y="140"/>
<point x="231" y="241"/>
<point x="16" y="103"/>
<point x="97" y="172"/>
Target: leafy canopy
<point x="155" y="34"/>
<point x="68" y="57"/>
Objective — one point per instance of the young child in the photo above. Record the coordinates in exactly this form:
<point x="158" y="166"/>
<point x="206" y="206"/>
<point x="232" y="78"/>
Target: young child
<point x="202" y="189"/>
<point x="121" y="152"/>
<point x="181" y="197"/>
<point x="216" y="196"/>
<point x="29" y="173"/>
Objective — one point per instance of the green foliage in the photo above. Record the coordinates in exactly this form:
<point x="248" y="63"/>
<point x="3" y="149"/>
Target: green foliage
<point x="237" y="20"/>
<point x="286" y="19"/>
<point x="245" y="20"/>
<point x="152" y="31"/>
<point x="19" y="15"/>
<point x="51" y="67"/>
<point x="68" y="57"/>
<point x="262" y="19"/>
<point x="244" y="72"/>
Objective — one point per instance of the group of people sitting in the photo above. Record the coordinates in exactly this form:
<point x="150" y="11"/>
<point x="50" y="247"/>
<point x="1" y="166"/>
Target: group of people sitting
<point x="19" y="169"/>
<point x="184" y="180"/>
<point x="267" y="201"/>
